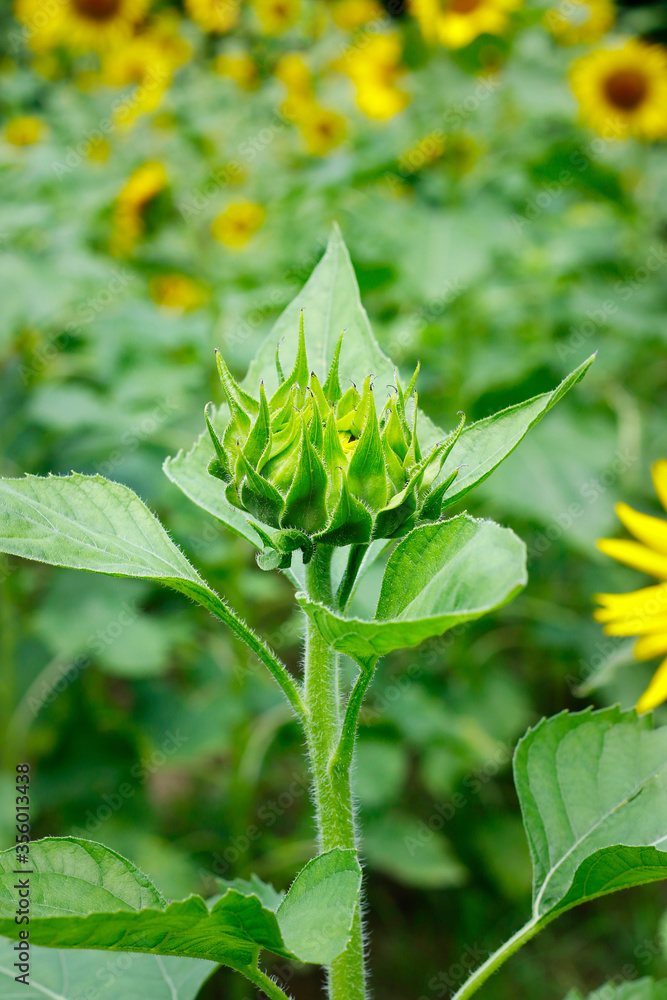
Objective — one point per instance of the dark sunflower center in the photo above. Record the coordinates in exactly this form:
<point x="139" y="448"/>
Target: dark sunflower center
<point x="626" y="89"/>
<point x="464" y="6"/>
<point x="97" y="10"/>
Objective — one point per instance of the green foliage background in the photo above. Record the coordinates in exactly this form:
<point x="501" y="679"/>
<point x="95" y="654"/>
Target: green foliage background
<point x="528" y="243"/>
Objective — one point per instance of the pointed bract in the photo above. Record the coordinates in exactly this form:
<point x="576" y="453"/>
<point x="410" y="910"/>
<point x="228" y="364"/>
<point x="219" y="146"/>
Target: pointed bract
<point x="332" y="389"/>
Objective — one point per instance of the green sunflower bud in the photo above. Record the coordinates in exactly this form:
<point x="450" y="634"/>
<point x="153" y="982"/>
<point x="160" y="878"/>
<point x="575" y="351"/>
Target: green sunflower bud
<point x="318" y="465"/>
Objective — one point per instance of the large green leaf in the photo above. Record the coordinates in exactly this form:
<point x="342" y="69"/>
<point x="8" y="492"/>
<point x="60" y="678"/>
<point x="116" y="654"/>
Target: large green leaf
<point x="587" y="783"/>
<point x="90" y="523"/>
<point x="593" y="794"/>
<point x="84" y="895"/>
<point x="437" y="576"/>
<point x="78" y="975"/>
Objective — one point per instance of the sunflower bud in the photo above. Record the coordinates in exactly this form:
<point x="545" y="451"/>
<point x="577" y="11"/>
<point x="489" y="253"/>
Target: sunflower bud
<point x="317" y="465"/>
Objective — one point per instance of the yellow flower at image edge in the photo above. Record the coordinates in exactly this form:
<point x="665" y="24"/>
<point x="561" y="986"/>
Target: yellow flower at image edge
<point x="24" y="131"/>
<point x="455" y="23"/>
<point x="79" y="23"/>
<point x="238" y="223"/>
<point x="623" y="91"/>
<point x="641" y="612"/>
<point x="214" y="16"/>
<point x="580" y="22"/>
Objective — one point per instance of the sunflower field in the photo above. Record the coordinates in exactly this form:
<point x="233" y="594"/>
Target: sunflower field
<point x="171" y="172"/>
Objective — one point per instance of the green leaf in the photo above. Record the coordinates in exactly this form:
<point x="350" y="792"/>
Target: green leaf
<point x="588" y="782"/>
<point x="437" y="576"/>
<point x="593" y="794"/>
<point x="483" y="445"/>
<point x="87" y="522"/>
<point x="315" y="916"/>
<point x="76" y="975"/>
<point x="90" y="523"/>
<point x="84" y="895"/>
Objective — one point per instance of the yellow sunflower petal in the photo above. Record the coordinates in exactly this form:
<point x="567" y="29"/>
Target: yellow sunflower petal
<point x="656" y="692"/>
<point x="650" y="530"/>
<point x="653" y="599"/>
<point x="659" y="474"/>
<point x="651" y="645"/>
<point x="646" y="625"/>
<point x="633" y="554"/>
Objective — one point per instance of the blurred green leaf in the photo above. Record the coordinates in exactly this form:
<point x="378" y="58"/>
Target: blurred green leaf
<point x="412" y="851"/>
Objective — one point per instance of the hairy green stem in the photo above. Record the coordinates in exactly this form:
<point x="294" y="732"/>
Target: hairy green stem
<point x="332" y="787"/>
<point x="266" y="984"/>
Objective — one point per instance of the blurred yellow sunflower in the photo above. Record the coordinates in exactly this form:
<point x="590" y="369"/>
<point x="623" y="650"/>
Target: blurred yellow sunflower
<point x="455" y="23"/>
<point x="321" y="129"/>
<point x="293" y="70"/>
<point x="215" y="16"/>
<point x="239" y="67"/>
<point x="352" y="14"/>
<point x="374" y="68"/>
<point x="149" y="61"/>
<point x="623" y="91"/>
<point x="177" y="292"/>
<point x="276" y="16"/>
<point x="641" y="612"/>
<point x="238" y="224"/>
<point x="80" y="24"/>
<point x="580" y="22"/>
<point x="24" y="131"/>
<point x="141" y="188"/>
